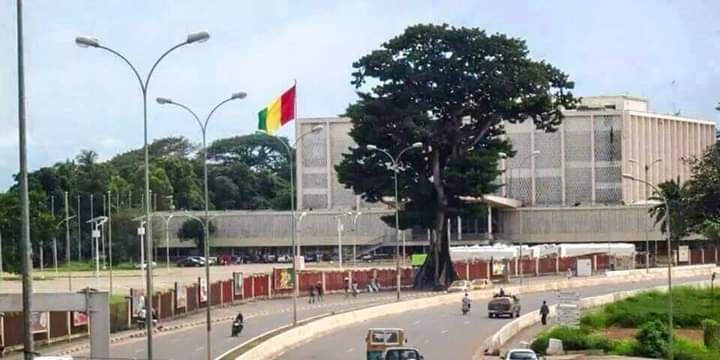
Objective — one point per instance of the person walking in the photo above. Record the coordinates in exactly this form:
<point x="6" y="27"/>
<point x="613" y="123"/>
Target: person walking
<point x="544" y="311"/>
<point x="319" y="291"/>
<point x="311" y="300"/>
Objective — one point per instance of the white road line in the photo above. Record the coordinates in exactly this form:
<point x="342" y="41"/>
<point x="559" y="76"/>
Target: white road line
<point x="350" y="350"/>
<point x="444" y="332"/>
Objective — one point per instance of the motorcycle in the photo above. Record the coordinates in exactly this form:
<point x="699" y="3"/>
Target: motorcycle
<point x="237" y="328"/>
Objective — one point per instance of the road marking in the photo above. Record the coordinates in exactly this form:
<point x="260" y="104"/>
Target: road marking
<point x="350" y="350"/>
<point x="198" y="348"/>
<point x="444" y="332"/>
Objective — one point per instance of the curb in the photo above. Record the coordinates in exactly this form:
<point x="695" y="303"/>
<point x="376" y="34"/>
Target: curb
<point x="493" y="344"/>
<point x="280" y="344"/>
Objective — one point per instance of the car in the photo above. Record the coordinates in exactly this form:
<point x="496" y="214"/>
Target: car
<point x="311" y="257"/>
<point x="213" y="260"/>
<point x="143" y="265"/>
<point x="520" y="354"/>
<point x="460" y="286"/>
<point x="504" y="305"/>
<point x="283" y="259"/>
<point x="479" y="284"/>
<point x="190" y="261"/>
<point x="401" y="353"/>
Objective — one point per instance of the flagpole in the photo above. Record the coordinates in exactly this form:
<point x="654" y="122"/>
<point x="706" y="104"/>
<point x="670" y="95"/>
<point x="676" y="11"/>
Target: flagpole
<point x="293" y="228"/>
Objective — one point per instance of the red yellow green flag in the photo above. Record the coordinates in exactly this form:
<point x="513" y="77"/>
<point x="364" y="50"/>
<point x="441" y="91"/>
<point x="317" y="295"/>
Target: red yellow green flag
<point x="280" y="112"/>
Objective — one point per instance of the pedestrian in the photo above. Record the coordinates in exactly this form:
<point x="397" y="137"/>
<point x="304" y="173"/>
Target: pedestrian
<point x="348" y="287"/>
<point x="544" y="311"/>
<point x="569" y="273"/>
<point x="320" y="294"/>
<point x="311" y="300"/>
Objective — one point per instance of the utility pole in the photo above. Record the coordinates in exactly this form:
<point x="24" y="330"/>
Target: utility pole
<point x="25" y="247"/>
<point x="109" y="225"/>
<point x="92" y="216"/>
<point x="52" y="211"/>
<point x="67" y="241"/>
<point x="79" y="232"/>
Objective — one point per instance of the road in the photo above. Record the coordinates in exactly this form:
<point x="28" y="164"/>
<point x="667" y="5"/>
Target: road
<point x="260" y="317"/>
<point x="442" y="331"/>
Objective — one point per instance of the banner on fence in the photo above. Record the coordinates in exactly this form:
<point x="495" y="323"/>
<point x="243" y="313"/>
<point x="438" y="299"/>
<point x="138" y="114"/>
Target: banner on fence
<point x="498" y="268"/>
<point x="683" y="253"/>
<point x="138" y="301"/>
<point x="284" y="278"/>
<point x="180" y="296"/>
<point x="203" y="290"/>
<point x="238" y="281"/>
<point x="40" y="322"/>
<point x="79" y="318"/>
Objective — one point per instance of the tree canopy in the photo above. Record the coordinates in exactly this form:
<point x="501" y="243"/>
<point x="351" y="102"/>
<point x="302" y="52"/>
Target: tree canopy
<point x="450" y="89"/>
<point x="245" y="172"/>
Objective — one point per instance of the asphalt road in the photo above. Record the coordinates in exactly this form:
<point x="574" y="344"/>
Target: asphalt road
<point x="260" y="317"/>
<point x="443" y="331"/>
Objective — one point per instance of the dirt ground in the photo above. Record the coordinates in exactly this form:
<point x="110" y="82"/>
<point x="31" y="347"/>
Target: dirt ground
<point x="617" y="333"/>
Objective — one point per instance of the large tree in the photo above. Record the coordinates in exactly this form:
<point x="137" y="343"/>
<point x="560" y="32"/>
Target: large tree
<point x="449" y="88"/>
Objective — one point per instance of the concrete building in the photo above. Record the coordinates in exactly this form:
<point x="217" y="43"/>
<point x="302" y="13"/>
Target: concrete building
<point x="561" y="186"/>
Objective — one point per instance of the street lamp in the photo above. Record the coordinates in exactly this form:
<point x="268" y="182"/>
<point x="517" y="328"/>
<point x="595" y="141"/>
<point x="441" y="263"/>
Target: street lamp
<point x="669" y="251"/>
<point x="647" y="241"/>
<point x="340" y="229"/>
<point x="395" y="168"/>
<point x="206" y="248"/>
<point x="354" y="229"/>
<point x="533" y="154"/>
<point x="97" y="223"/>
<point x="293" y="222"/>
<point x="86" y="42"/>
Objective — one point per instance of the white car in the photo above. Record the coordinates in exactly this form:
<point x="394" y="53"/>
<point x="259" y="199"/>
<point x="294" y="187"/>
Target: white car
<point x="520" y="354"/>
<point x="401" y="353"/>
<point x="460" y="286"/>
<point x="143" y="265"/>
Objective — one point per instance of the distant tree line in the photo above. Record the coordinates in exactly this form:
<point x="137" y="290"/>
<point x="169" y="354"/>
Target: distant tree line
<point x="244" y="172"/>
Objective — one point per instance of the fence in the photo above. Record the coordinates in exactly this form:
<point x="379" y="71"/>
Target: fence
<point x="187" y="299"/>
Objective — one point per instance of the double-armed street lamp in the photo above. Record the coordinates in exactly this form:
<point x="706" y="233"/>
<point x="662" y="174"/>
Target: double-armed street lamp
<point x="395" y="162"/>
<point x="293" y="217"/>
<point x="144" y="83"/>
<point x="668" y="234"/>
<point x="206" y="227"/>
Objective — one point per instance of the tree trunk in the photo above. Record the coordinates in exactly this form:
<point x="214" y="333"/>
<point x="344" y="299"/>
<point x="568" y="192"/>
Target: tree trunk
<point x="437" y="271"/>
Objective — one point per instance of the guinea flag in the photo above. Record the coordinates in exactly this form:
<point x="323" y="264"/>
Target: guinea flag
<point x="280" y="112"/>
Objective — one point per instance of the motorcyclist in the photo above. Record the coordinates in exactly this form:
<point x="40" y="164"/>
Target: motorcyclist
<point x="466" y="304"/>
<point x="238" y="324"/>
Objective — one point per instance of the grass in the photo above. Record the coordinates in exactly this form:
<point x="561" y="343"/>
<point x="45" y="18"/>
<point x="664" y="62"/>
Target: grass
<point x="690" y="307"/>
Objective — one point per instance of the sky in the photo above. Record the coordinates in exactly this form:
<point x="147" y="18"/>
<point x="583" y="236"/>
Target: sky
<point x="80" y="98"/>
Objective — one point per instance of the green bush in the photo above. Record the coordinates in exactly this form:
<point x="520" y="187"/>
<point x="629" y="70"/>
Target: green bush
<point x="652" y="339"/>
<point x="625" y="347"/>
<point x="594" y="320"/>
<point x="572" y="339"/>
<point x="711" y="334"/>
<point x="684" y="349"/>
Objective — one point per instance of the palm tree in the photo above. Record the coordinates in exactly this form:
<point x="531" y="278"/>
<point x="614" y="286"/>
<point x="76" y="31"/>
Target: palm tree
<point x="675" y="193"/>
<point x="87" y="158"/>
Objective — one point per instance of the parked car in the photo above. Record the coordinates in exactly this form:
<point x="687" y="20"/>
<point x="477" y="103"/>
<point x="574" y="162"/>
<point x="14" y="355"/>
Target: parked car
<point x="311" y="257"/>
<point x="520" y="354"/>
<point x="284" y="259"/>
<point x="213" y="260"/>
<point x="504" y="305"/>
<point x="190" y="261"/>
<point x="269" y="258"/>
<point x="479" y="284"/>
<point x="460" y="286"/>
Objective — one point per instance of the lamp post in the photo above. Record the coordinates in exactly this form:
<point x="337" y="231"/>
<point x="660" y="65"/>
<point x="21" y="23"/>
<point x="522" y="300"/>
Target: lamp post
<point x="669" y="250"/>
<point x="65" y="221"/>
<point x="206" y="248"/>
<point x="395" y="168"/>
<point x="340" y="229"/>
<point x="97" y="223"/>
<point x="533" y="154"/>
<point x="91" y="42"/>
<point x="293" y="221"/>
<point x="647" y="241"/>
<point x="354" y="229"/>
